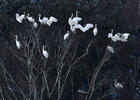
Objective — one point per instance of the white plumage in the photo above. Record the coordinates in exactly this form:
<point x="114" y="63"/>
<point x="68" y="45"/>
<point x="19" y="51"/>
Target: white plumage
<point x="78" y="26"/>
<point x="110" y="35"/>
<point x="20" y="18"/>
<point x="87" y="27"/>
<point x="110" y="49"/>
<point x="118" y="36"/>
<point x="73" y="22"/>
<point x="17" y="43"/>
<point x="45" y="53"/>
<point x="114" y="38"/>
<point x="83" y="29"/>
<point x="30" y="19"/>
<point x="83" y="92"/>
<point x="95" y="30"/>
<point x="124" y="37"/>
<point x="43" y="20"/>
<point x="35" y="24"/>
<point x="66" y="35"/>
<point x="51" y="20"/>
<point x="118" y="85"/>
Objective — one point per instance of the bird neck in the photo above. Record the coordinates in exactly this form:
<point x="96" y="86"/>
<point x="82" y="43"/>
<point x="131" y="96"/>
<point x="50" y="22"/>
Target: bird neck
<point x="115" y="82"/>
<point x="28" y="15"/>
<point x="76" y="13"/>
<point x="39" y="17"/>
<point x="95" y="26"/>
<point x="16" y="38"/>
<point x="17" y="15"/>
<point x="71" y="16"/>
<point x="43" y="48"/>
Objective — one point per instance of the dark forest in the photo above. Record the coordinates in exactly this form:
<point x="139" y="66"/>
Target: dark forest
<point x="46" y="54"/>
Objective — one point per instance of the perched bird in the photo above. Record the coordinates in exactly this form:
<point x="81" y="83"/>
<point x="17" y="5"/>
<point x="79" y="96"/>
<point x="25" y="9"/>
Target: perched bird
<point x="95" y="30"/>
<point x="83" y="92"/>
<point x="45" y="53"/>
<point x="118" y="85"/>
<point x="110" y="49"/>
<point x="20" y="18"/>
<point x="30" y="19"/>
<point x="43" y="20"/>
<point x="114" y="38"/>
<point x="35" y="24"/>
<point x="66" y="35"/>
<point x="87" y="27"/>
<point x="18" y="43"/>
<point x="73" y="21"/>
<point x="51" y="20"/>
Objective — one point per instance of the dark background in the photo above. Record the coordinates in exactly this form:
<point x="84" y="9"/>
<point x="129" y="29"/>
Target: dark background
<point x="120" y="15"/>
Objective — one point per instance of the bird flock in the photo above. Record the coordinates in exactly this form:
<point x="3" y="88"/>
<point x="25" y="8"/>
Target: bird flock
<point x="74" y="23"/>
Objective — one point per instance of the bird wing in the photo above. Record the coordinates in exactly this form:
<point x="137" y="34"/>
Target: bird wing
<point x="20" y="21"/>
<point x="87" y="27"/>
<point x="31" y="19"/>
<point x="52" y="19"/>
<point x="22" y="16"/>
<point x="78" y="26"/>
<point x="77" y="19"/>
<point x="45" y="19"/>
<point x="126" y="35"/>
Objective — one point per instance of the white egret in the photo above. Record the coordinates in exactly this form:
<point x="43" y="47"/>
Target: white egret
<point x="118" y="85"/>
<point x="18" y="43"/>
<point x="74" y="20"/>
<point x="83" y="92"/>
<point x="95" y="30"/>
<point x="66" y="35"/>
<point x="43" y="20"/>
<point x="45" y="53"/>
<point x="110" y="49"/>
<point x="20" y="18"/>
<point x="51" y="20"/>
<point x="35" y="24"/>
<point x="30" y="19"/>
<point x="114" y="38"/>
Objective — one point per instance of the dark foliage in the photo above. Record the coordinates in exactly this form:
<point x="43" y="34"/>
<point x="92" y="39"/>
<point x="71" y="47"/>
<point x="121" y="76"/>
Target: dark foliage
<point x="124" y="65"/>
